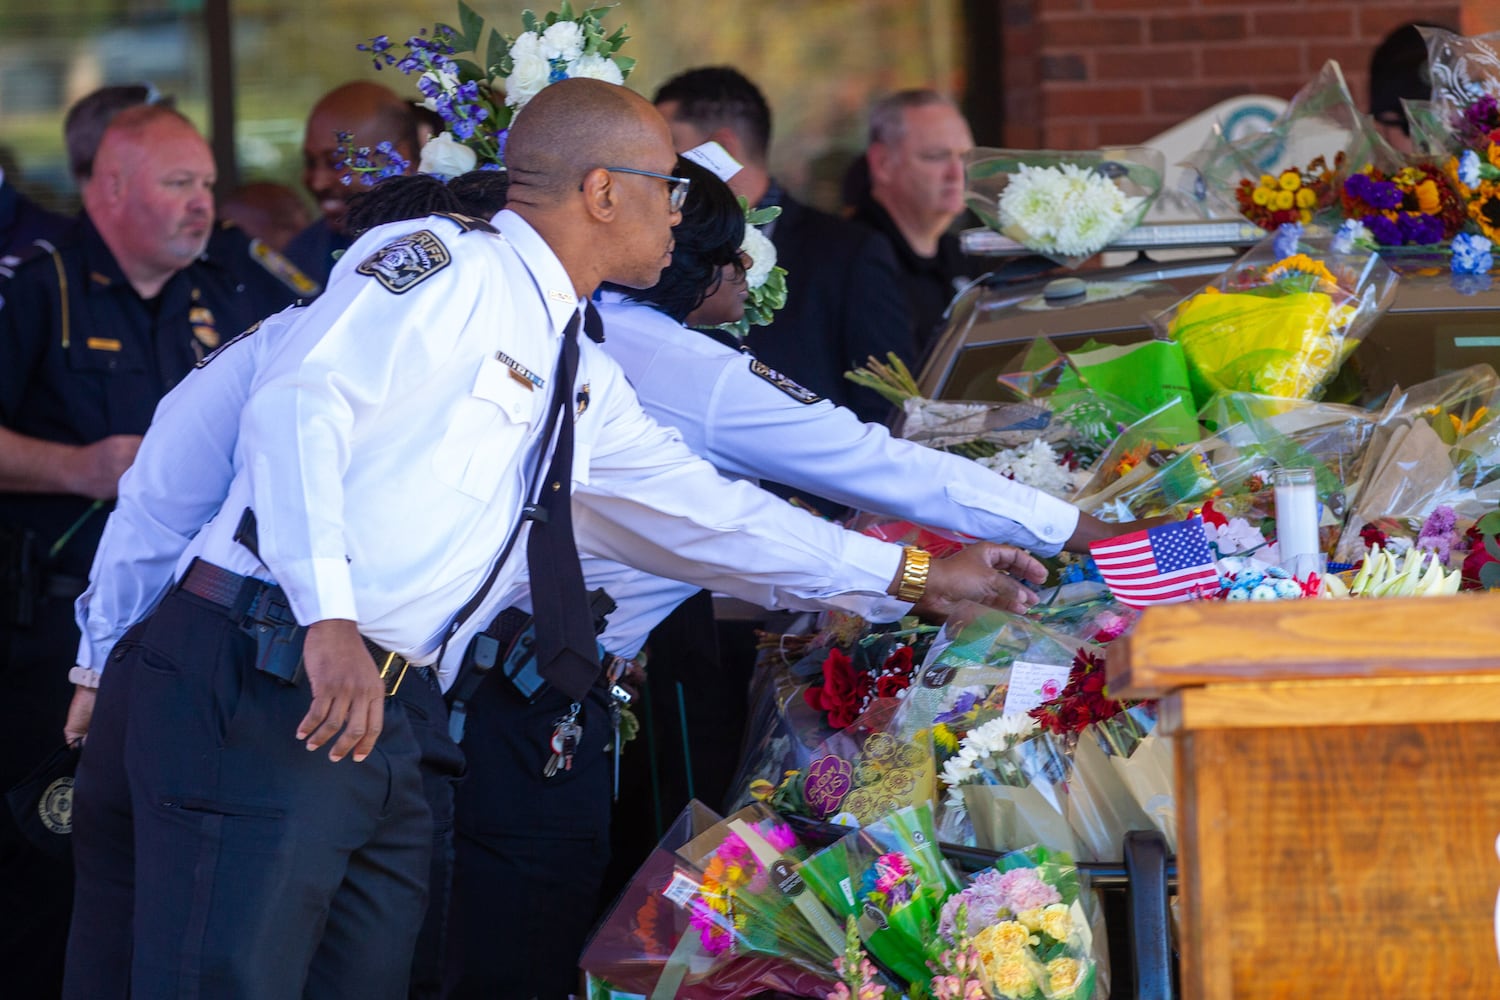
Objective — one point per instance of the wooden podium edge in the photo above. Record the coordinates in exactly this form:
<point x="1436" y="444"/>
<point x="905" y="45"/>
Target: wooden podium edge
<point x="1204" y="643"/>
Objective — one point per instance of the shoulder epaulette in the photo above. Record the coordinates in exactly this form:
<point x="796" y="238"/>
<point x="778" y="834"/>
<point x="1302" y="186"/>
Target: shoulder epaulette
<point x="469" y="223"/>
<point x="279" y="266"/>
<point x="12" y="262"/>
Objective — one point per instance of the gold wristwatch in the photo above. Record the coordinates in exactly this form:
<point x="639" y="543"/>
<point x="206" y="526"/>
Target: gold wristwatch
<point x="915" y="565"/>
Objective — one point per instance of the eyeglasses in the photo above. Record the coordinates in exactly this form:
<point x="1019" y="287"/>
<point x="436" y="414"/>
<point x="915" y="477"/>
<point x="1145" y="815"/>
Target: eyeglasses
<point x="677" y="187"/>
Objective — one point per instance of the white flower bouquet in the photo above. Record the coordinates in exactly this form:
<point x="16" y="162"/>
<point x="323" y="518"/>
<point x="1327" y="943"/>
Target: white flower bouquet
<point x="1064" y="205"/>
<point x="477" y="100"/>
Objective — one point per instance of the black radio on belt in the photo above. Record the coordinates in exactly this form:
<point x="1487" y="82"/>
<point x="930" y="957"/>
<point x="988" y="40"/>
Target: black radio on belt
<point x="510" y="643"/>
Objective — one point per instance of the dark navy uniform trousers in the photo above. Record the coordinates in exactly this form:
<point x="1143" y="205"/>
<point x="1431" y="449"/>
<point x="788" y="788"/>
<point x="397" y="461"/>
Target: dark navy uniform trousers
<point x="530" y="850"/>
<point x="217" y="857"/>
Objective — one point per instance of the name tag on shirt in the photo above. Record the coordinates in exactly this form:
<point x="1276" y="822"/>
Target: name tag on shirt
<point x="520" y="372"/>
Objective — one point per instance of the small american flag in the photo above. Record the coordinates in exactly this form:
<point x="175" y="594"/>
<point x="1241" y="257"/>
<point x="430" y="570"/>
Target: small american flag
<point x="1161" y="565"/>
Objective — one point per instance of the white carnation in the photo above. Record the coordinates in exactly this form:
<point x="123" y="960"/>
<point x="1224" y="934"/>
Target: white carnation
<point x="1068" y="210"/>
<point x="762" y="254"/>
<point x="1036" y="465"/>
<point x="526" y="46"/>
<point x="530" y="75"/>
<point x="597" y="68"/>
<point x="564" y="40"/>
<point x="999" y="735"/>
<point x="442" y="156"/>
<point x="957" y="772"/>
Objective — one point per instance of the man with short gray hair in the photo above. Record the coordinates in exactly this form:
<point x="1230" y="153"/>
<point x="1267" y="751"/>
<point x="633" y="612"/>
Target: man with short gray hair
<point x="918" y="140"/>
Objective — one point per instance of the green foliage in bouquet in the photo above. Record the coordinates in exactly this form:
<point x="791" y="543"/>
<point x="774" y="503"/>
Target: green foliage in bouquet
<point x="765" y="281"/>
<point x="892" y="379"/>
<point x="476" y="78"/>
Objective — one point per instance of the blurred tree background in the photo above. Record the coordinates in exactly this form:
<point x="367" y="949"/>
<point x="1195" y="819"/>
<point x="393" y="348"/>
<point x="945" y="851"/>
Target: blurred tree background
<point x="819" y="63"/>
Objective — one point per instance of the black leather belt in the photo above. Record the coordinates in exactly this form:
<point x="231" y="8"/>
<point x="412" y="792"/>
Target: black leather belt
<point x="247" y="600"/>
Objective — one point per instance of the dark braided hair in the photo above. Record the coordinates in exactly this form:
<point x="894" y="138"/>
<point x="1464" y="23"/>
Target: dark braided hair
<point x="478" y="193"/>
<point x="394" y="199"/>
<point x="707" y="238"/>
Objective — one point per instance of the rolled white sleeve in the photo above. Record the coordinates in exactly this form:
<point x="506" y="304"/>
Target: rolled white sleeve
<point x="651" y="503"/>
<point x="746" y="425"/>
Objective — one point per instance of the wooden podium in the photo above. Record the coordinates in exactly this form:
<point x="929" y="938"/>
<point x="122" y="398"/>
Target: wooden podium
<point x="1338" y="792"/>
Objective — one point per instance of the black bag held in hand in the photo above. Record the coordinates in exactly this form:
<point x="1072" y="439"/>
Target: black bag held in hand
<point x="42" y="804"/>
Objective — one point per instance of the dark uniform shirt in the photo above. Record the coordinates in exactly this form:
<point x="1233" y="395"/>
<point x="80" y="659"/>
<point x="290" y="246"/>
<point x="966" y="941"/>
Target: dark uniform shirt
<point x="83" y="357"/>
<point x="23" y="221"/>
<point x="315" y="249"/>
<point x="268" y="277"/>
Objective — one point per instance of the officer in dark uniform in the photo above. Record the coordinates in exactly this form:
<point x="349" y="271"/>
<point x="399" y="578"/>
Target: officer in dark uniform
<point x="92" y="334"/>
<point x="22" y="222"/>
<point x="267" y="276"/>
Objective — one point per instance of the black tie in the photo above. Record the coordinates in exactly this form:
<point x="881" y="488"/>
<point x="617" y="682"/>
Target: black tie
<point x="566" y="650"/>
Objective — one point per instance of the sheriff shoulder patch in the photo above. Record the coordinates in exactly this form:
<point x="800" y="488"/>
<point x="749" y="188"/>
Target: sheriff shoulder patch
<point x="801" y="394"/>
<point x="405" y="263"/>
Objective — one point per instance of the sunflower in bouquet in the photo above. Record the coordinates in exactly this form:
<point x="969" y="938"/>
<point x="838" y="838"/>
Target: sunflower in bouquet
<point x="1475" y="170"/>
<point x="1416" y="205"/>
<point x="1282" y="319"/>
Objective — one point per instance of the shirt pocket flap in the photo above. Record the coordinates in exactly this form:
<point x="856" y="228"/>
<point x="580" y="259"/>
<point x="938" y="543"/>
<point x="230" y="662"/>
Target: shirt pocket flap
<point x="485" y="432"/>
<point x="509" y="390"/>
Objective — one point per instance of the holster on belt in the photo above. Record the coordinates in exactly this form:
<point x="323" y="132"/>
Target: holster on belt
<point x="268" y="619"/>
<point x="509" y="642"/>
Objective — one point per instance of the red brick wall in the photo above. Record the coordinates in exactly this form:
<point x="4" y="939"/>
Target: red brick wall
<point x="1085" y="73"/>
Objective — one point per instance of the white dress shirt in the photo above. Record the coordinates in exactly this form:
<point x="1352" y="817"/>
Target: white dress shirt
<point x="734" y="413"/>
<point x="385" y="442"/>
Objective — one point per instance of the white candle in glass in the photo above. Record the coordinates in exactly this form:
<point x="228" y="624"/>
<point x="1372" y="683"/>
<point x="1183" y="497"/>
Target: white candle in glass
<point x="1296" y="515"/>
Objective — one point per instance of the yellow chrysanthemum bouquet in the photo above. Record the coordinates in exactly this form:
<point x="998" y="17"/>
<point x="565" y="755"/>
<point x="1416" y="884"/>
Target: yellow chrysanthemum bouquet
<point x="1282" y="319"/>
